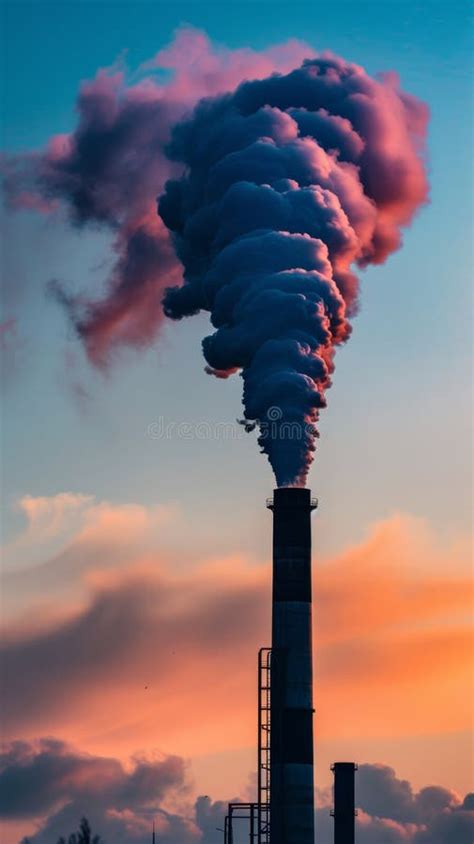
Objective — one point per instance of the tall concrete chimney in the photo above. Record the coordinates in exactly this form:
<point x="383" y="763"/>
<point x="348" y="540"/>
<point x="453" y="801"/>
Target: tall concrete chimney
<point x="344" y="802"/>
<point x="291" y="721"/>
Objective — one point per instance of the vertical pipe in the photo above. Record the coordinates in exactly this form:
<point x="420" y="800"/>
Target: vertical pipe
<point x="344" y="802"/>
<point x="291" y="736"/>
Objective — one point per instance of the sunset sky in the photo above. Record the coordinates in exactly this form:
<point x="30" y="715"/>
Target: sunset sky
<point x="136" y="543"/>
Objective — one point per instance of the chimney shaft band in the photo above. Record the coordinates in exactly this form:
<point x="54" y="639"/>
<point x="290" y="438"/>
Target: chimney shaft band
<point x="291" y="736"/>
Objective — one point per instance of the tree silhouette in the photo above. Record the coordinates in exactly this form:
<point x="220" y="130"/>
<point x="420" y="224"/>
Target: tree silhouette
<point x="84" y="836"/>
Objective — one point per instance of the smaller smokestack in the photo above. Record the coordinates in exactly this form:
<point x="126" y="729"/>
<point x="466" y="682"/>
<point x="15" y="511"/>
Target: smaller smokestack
<point x="344" y="812"/>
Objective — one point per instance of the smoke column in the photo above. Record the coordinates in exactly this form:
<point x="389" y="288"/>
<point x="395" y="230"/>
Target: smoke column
<point x="275" y="193"/>
<point x="288" y="182"/>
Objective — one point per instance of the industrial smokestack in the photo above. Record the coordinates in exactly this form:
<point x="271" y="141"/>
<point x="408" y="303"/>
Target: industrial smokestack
<point x="291" y="723"/>
<point x="344" y="802"/>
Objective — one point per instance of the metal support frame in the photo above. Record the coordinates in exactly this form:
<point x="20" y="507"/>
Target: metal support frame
<point x="240" y="811"/>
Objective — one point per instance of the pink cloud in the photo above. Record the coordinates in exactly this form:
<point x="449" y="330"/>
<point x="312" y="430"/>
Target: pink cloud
<point x="110" y="169"/>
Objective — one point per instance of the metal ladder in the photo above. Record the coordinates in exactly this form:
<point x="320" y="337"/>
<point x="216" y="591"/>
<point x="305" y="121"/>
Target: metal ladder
<point x="258" y="814"/>
<point x="264" y="727"/>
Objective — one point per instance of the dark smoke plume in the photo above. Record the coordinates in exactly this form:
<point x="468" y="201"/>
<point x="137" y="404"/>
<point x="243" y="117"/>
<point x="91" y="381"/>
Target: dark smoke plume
<point x="288" y="182"/>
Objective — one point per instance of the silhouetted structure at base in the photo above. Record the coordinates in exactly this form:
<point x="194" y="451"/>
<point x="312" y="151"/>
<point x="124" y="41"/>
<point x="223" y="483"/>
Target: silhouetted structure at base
<point x="284" y="810"/>
<point x="344" y="812"/>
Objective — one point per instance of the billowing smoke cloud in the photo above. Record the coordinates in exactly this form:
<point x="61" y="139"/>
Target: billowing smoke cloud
<point x="273" y="193"/>
<point x="288" y="182"/>
<point x="108" y="172"/>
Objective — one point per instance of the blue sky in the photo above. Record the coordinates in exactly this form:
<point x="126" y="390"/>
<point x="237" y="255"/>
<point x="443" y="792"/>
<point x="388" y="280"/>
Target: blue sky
<point x="395" y="435"/>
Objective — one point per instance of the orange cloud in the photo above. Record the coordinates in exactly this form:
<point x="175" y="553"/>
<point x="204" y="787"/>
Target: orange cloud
<point x="393" y="635"/>
<point x="149" y="657"/>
